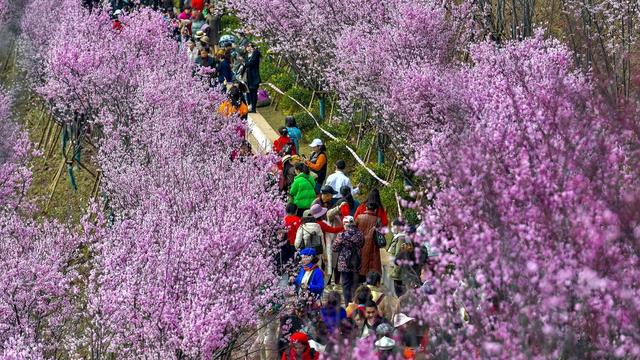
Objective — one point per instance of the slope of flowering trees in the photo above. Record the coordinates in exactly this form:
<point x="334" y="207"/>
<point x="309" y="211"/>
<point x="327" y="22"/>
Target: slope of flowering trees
<point x="177" y="260"/>
<point x="538" y="206"/>
<point x="531" y="171"/>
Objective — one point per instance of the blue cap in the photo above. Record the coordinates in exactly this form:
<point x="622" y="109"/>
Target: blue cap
<point x="308" y="252"/>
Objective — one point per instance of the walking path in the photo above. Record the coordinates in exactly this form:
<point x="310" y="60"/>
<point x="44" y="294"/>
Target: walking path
<point x="261" y="134"/>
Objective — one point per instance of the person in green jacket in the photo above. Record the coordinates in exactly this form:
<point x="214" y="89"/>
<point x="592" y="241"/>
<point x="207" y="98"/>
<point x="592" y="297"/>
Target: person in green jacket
<point x="303" y="189"/>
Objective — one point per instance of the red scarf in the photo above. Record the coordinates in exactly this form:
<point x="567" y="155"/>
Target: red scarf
<point x="307" y="268"/>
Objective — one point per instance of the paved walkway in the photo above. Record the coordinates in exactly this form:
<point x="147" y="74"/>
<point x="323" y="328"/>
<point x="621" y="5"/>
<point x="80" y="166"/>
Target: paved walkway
<point x="261" y="134"/>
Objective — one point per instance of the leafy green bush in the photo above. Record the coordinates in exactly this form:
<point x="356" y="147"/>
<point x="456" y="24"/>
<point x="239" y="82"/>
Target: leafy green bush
<point x="304" y="121"/>
<point x="368" y="182"/>
<point x="229" y="23"/>
<point x="283" y="81"/>
<point x="336" y="150"/>
<point x="302" y="95"/>
<point x="268" y="70"/>
<point x="365" y="142"/>
<point x="315" y="132"/>
<point x="340" y="130"/>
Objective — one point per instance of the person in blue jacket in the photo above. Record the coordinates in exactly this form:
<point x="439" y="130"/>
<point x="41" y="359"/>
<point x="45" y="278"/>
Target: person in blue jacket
<point x="310" y="277"/>
<point x="224" y="68"/>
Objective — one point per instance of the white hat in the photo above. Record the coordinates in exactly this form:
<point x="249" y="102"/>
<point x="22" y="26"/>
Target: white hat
<point x="401" y="319"/>
<point x="117" y="12"/>
<point x="385" y="343"/>
<point x="348" y="220"/>
<point x="315" y="142"/>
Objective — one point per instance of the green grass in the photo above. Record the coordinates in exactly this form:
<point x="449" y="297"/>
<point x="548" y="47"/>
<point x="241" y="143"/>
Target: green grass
<point x="66" y="204"/>
<point x="275" y="118"/>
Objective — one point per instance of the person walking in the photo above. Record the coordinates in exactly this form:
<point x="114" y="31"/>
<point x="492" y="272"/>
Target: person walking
<point x="332" y="313"/>
<point x="302" y="191"/>
<point x="294" y="132"/>
<point x="347" y="204"/>
<point x="310" y="277"/>
<point x="252" y="69"/>
<point x="338" y="179"/>
<point x="374" y="197"/>
<point x="225" y="75"/>
<point x="367" y="223"/>
<point x="318" y="162"/>
<point x="309" y="233"/>
<point x="347" y="245"/>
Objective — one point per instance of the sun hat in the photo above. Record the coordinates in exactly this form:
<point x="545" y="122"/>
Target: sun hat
<point x="117" y="12"/>
<point x="317" y="211"/>
<point x="348" y="220"/>
<point x="327" y="189"/>
<point x="307" y="213"/>
<point x="308" y="252"/>
<point x="316" y="142"/>
<point x="401" y="319"/>
<point x="385" y="343"/>
<point x="200" y="33"/>
<point x="204" y="39"/>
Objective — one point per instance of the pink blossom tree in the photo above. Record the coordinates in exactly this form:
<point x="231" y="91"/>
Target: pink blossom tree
<point x="535" y="210"/>
<point x="15" y="176"/>
<point x="184" y="263"/>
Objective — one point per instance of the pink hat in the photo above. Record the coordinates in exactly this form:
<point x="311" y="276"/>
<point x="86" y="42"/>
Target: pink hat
<point x="317" y="211"/>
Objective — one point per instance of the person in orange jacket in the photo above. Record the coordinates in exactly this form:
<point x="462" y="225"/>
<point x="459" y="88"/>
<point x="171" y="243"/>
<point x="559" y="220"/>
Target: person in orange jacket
<point x="234" y="104"/>
<point x="318" y="162"/>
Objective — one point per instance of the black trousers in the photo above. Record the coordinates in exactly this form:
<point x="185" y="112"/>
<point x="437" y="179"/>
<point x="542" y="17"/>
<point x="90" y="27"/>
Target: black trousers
<point x="253" y="99"/>
<point x="348" y="280"/>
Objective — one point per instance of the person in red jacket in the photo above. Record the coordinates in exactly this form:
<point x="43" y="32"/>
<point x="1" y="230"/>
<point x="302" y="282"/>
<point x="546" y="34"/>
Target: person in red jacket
<point x="288" y="238"/>
<point x="318" y="212"/>
<point x="284" y="145"/>
<point x="292" y="223"/>
<point x="381" y="213"/>
<point x="300" y="348"/>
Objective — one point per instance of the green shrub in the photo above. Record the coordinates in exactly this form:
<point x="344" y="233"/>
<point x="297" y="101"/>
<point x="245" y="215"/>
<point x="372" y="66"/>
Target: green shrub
<point x="368" y="182"/>
<point x="229" y="23"/>
<point x="315" y="132"/>
<point x="365" y="142"/>
<point x="340" y="130"/>
<point x="336" y="150"/>
<point x="268" y="70"/>
<point x="283" y="81"/>
<point x="304" y="121"/>
<point x="302" y="95"/>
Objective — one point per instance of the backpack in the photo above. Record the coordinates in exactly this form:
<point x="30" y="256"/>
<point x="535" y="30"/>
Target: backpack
<point x="313" y="240"/>
<point x="287" y="149"/>
<point x="354" y="260"/>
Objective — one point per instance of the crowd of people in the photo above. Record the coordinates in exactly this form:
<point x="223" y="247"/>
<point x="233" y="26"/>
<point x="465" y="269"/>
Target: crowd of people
<point x="332" y="246"/>
<point x="335" y="246"/>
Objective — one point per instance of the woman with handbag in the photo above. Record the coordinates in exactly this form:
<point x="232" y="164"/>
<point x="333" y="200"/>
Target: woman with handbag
<point x="368" y="223"/>
<point x="347" y="245"/>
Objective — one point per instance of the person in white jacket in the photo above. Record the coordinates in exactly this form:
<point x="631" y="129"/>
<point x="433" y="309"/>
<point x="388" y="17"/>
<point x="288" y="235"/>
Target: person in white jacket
<point x="309" y="232"/>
